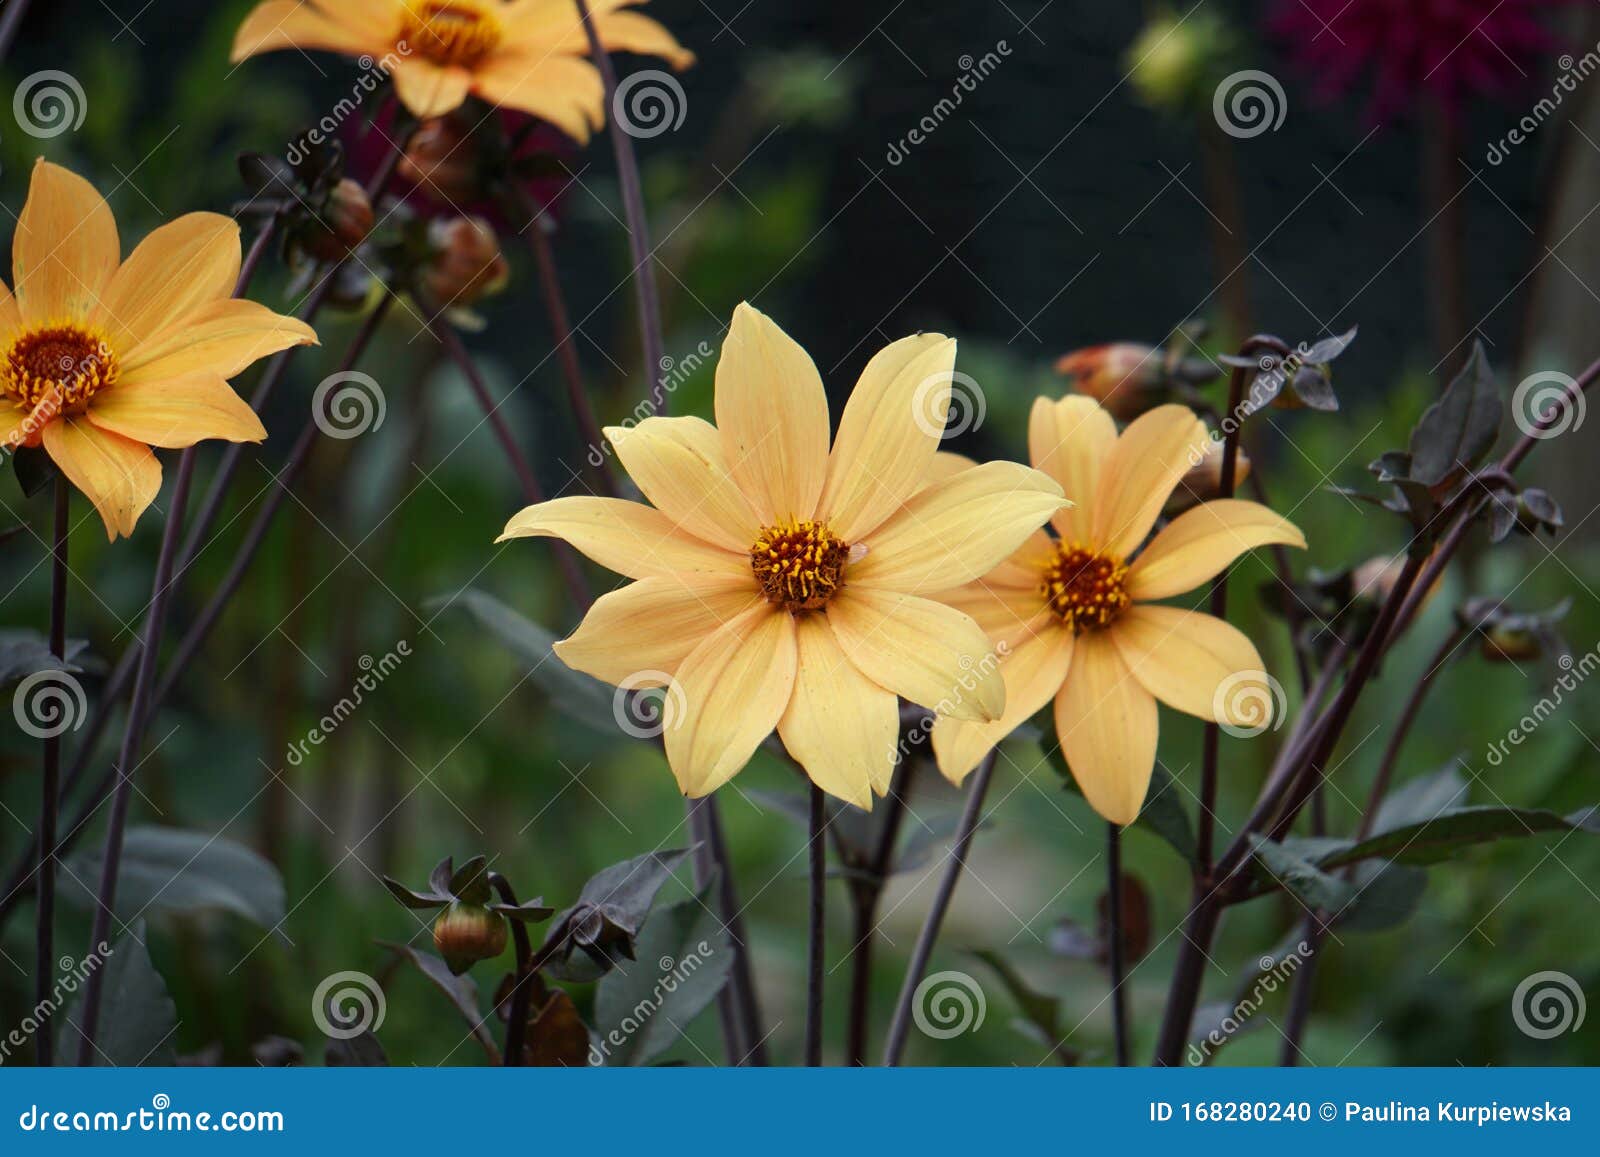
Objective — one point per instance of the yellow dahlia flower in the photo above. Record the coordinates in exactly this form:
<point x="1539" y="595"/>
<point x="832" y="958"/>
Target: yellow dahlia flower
<point x="780" y="585"/>
<point x="520" y="54"/>
<point x="101" y="359"/>
<point x="1073" y="610"/>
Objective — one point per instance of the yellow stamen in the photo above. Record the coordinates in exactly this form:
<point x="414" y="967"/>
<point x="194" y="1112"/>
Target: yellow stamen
<point x="1084" y="588"/>
<point x="799" y="564"/>
<point x="65" y="362"/>
<point x="452" y="33"/>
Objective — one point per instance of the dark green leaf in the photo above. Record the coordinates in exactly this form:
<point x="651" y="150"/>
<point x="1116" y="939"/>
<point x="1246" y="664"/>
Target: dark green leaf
<point x="1445" y="835"/>
<point x="610" y="911"/>
<point x="1163" y="812"/>
<point x="470" y="882"/>
<point x="1456" y="432"/>
<point x="35" y="471"/>
<point x="410" y="899"/>
<point x="183" y="871"/>
<point x="461" y="991"/>
<point x="1423" y="799"/>
<point x="1041" y="1014"/>
<point x="1278" y="864"/>
<point x="1385" y="897"/>
<point x="137" y="1018"/>
<point x="360" y="1051"/>
<point x="24" y="653"/>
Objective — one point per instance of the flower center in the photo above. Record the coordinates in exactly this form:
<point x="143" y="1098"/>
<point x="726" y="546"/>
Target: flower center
<point x="452" y="33"/>
<point x="1086" y="590"/>
<point x="66" y="358"/>
<point x="799" y="564"/>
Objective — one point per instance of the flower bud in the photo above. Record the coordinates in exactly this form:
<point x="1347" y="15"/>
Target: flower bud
<point x="1171" y="59"/>
<point x="1503" y="643"/>
<point x="467" y="264"/>
<point x="1126" y="379"/>
<point x="443" y="161"/>
<point x="1203" y="482"/>
<point x="1374" y="580"/>
<point x="467" y="933"/>
<point x="344" y="223"/>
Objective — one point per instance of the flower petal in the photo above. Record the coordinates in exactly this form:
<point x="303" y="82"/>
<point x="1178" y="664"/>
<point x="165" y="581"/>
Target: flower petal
<point x="1033" y="674"/>
<point x="120" y="476"/>
<point x="1200" y="543"/>
<point x="1007" y="615"/>
<point x="429" y="90"/>
<point x="889" y="433"/>
<point x="1188" y="660"/>
<point x="548" y="25"/>
<point x="277" y="24"/>
<point x="679" y="466"/>
<point x="627" y="537"/>
<point x="65" y="249"/>
<point x="563" y="90"/>
<point x="10" y="315"/>
<point x="1069" y="440"/>
<point x="773" y="415"/>
<point x="649" y="627"/>
<point x="727" y="696"/>
<point x="177" y="413"/>
<point x="951" y="533"/>
<point x="181" y="266"/>
<point x="1156" y="450"/>
<point x="926" y="652"/>
<point x="224" y="337"/>
<point x="1106" y="723"/>
<point x="840" y="726"/>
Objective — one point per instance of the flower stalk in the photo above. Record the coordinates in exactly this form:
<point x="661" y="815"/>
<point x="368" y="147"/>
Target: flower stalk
<point x="50" y="780"/>
<point x="817" y="846"/>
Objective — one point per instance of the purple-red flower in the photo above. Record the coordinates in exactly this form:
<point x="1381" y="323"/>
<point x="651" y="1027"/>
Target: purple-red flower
<point x="1406" y="49"/>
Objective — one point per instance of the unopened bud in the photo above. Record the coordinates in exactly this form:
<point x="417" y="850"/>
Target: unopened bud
<point x="442" y="160"/>
<point x="1506" y="644"/>
<point x="344" y="223"/>
<point x="1124" y="378"/>
<point x="467" y="265"/>
<point x="467" y="933"/>
<point x="1171" y="58"/>
<point x="1203" y="482"/>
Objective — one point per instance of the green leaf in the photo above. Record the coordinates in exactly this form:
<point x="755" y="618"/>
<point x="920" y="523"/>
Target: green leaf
<point x="1280" y="865"/>
<point x="1386" y="896"/>
<point x="1453" y="831"/>
<point x="610" y="911"/>
<point x="1041" y="1014"/>
<point x="684" y="960"/>
<point x="34" y="468"/>
<point x="581" y="698"/>
<point x="1456" y="432"/>
<point x="461" y="991"/>
<point x="360" y="1051"/>
<point x="183" y="871"/>
<point x="24" y="653"/>
<point x="137" y="1018"/>
<point x="1163" y="812"/>
<point x="1423" y="799"/>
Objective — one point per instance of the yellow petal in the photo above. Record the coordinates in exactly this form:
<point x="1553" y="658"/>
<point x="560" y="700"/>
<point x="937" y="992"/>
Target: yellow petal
<point x="1033" y="673"/>
<point x="1069" y="440"/>
<point x="10" y="315"/>
<point x="627" y="537"/>
<point x="840" y="726"/>
<point x="1106" y="722"/>
<point x="65" y="249"/>
<point x="651" y="626"/>
<point x="947" y="464"/>
<point x="631" y="32"/>
<point x="1007" y="614"/>
<point x="953" y="532"/>
<point x="560" y="89"/>
<point x="926" y="652"/>
<point x="889" y="434"/>
<point x="178" y="268"/>
<point x="727" y="696"/>
<point x="120" y="476"/>
<point x="1189" y="660"/>
<point x="773" y="415"/>
<point x="429" y="90"/>
<point x="1156" y="450"/>
<point x="1024" y="569"/>
<point x="1199" y="543"/>
<point x="279" y="24"/>
<point x="224" y="337"/>
<point x="556" y="27"/>
<point x="177" y="413"/>
<point x="679" y="466"/>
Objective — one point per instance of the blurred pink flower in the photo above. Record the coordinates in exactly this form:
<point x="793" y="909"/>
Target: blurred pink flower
<point x="1447" y="49"/>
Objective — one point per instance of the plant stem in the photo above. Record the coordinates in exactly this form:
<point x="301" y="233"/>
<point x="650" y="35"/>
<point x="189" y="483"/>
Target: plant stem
<point x="10" y="21"/>
<point x="900" y="1025"/>
<point x="818" y="849"/>
<point x="127" y="759"/>
<point x="1114" y="941"/>
<point x="746" y="1002"/>
<point x="521" y="990"/>
<point x="865" y="894"/>
<point x="734" y="1046"/>
<point x="50" y="781"/>
<point x="644" y="274"/>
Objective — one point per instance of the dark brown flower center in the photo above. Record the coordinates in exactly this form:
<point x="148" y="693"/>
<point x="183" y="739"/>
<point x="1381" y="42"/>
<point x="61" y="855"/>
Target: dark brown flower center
<point x="66" y="359"/>
<point x="1085" y="589"/>
<point x="452" y="33"/>
<point x="799" y="564"/>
